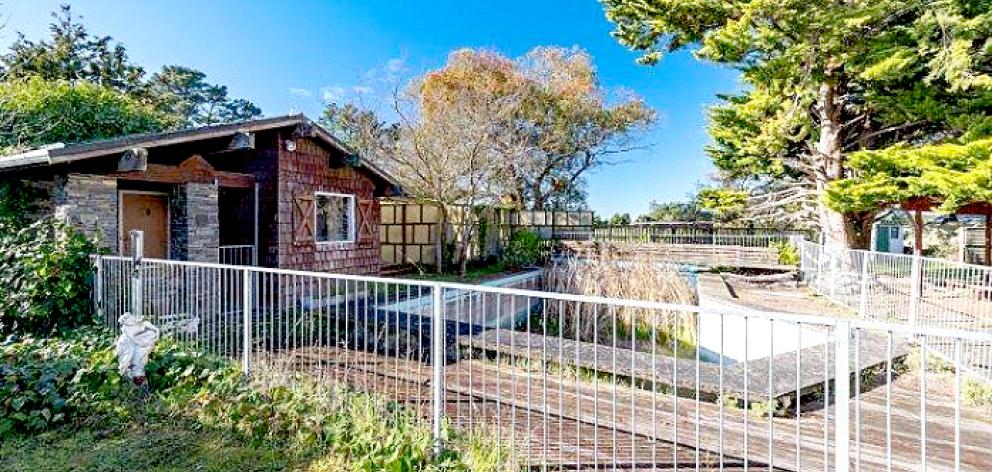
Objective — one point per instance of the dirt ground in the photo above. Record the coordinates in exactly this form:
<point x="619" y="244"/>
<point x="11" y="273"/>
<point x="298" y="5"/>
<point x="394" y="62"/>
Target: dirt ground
<point x="780" y="297"/>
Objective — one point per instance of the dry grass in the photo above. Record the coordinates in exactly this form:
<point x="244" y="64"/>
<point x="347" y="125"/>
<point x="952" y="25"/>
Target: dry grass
<point x="599" y="274"/>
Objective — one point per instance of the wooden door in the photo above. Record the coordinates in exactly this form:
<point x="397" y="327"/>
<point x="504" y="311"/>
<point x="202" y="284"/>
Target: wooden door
<point x="149" y="213"/>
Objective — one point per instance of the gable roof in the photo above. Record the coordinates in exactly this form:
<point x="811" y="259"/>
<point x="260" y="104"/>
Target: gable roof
<point x="60" y="153"/>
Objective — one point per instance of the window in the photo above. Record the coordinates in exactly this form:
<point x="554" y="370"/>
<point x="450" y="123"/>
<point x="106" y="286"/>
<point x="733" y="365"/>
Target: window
<point x="335" y="218"/>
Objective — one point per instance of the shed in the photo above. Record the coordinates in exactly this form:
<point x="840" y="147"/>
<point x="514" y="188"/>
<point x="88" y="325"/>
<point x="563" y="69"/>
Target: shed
<point x="277" y="192"/>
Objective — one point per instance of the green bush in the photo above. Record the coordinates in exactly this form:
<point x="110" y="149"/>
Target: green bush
<point x="523" y="249"/>
<point x="46" y="275"/>
<point x="73" y="380"/>
<point x="788" y="253"/>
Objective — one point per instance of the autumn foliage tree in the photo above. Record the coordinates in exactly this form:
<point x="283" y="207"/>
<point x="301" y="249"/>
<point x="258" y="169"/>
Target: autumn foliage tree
<point x="563" y="123"/>
<point x="567" y="125"/>
<point x="443" y="147"/>
<point x="825" y="79"/>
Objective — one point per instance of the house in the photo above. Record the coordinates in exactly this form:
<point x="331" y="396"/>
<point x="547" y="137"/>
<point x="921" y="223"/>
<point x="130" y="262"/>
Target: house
<point x="280" y="192"/>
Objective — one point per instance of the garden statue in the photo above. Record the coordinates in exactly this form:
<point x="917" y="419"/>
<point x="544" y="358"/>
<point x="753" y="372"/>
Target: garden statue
<point x="134" y="345"/>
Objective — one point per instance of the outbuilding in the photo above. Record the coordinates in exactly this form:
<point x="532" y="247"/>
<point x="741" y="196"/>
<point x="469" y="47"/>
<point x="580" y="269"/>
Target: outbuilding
<point x="276" y="192"/>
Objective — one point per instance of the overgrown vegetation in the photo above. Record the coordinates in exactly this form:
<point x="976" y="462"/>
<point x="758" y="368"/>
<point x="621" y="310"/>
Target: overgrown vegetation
<point x="788" y="253"/>
<point x="36" y="112"/>
<point x="598" y="274"/>
<point x="46" y="275"/>
<point x="68" y="388"/>
<point x="523" y="249"/>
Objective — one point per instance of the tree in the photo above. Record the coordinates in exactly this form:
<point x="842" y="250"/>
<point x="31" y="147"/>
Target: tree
<point x="674" y="211"/>
<point x="620" y="219"/>
<point x="35" y="112"/>
<point x="824" y="79"/>
<point x="562" y="126"/>
<point x="725" y="205"/>
<point x="567" y="125"/>
<point x="443" y="153"/>
<point x="949" y="175"/>
<point x="360" y="128"/>
<point x="184" y="92"/>
<point x="72" y="54"/>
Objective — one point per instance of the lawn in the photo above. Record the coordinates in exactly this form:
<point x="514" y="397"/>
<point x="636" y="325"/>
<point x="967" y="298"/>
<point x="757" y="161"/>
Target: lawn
<point x="154" y="446"/>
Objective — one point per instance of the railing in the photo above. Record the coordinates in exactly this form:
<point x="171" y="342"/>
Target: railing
<point x="240" y="254"/>
<point x="574" y="382"/>
<point x="649" y="234"/>
<point x="923" y="292"/>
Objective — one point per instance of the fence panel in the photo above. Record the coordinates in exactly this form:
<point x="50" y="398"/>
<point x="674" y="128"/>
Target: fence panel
<point x="565" y="381"/>
<point x="919" y="291"/>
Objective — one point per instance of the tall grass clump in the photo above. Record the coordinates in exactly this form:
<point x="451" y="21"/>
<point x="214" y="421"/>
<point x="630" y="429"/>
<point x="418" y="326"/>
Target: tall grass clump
<point x="599" y="274"/>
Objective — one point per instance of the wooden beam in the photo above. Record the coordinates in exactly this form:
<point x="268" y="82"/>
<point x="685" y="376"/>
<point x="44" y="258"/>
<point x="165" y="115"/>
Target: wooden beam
<point x="192" y="170"/>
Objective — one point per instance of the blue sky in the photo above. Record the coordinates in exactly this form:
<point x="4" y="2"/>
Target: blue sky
<point x="290" y="55"/>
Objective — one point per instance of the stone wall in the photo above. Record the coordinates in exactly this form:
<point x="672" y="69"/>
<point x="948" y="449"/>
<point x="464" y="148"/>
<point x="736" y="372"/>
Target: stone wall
<point x="88" y="202"/>
<point x="194" y="226"/>
<point x="203" y="225"/>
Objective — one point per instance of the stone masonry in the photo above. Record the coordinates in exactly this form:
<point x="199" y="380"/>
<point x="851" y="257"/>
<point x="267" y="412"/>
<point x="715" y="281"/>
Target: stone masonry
<point x="203" y="225"/>
<point x="88" y="202"/>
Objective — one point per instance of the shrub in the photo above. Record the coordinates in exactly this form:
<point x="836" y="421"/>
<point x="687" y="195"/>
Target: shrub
<point x="49" y="111"/>
<point x="47" y="275"/>
<point x="788" y="253"/>
<point x="523" y="249"/>
<point x="73" y="380"/>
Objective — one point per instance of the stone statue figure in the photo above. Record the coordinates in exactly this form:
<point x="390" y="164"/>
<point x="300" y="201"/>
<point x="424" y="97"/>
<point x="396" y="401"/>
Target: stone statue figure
<point x="134" y="345"/>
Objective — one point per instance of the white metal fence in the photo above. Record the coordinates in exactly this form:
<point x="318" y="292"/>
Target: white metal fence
<point x="693" y="236"/>
<point x="922" y="292"/>
<point x="575" y="382"/>
<point x="240" y="254"/>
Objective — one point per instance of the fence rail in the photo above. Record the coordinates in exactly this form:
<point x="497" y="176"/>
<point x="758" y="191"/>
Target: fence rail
<point x="922" y="292"/>
<point x="573" y="382"/>
<point x="687" y="236"/>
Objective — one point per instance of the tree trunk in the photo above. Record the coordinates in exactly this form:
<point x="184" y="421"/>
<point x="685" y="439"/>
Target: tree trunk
<point x="468" y="224"/>
<point x="836" y="228"/>
<point x="441" y="238"/>
<point x="918" y="233"/>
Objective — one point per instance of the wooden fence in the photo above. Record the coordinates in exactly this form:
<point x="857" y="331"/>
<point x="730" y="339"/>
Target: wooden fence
<point x="409" y="230"/>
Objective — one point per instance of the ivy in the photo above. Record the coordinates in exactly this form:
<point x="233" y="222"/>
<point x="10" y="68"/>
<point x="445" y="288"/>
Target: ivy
<point x="46" y="275"/>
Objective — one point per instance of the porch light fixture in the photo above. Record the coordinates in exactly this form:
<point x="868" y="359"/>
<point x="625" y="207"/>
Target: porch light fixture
<point x="290" y="145"/>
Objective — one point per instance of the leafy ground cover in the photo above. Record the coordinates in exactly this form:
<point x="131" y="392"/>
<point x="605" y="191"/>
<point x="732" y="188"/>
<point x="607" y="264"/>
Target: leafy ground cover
<point x="63" y="406"/>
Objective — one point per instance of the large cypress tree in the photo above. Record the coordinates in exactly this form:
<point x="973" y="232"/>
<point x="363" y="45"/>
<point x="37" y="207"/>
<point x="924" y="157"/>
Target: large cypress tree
<point x="825" y="78"/>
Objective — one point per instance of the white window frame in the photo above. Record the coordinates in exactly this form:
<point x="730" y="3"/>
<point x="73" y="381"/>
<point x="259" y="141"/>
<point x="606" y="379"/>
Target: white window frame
<point x="352" y="227"/>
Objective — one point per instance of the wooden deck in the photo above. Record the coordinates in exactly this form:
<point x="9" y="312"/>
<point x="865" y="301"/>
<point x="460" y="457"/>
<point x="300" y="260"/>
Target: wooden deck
<point x="783" y="381"/>
<point x="559" y="421"/>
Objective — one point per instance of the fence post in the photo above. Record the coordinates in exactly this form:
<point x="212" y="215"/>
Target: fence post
<point x="842" y="397"/>
<point x="867" y="258"/>
<point x="137" y="254"/>
<point x="246" y="321"/>
<point x="98" y="288"/>
<point x="437" y="362"/>
<point x="916" y="289"/>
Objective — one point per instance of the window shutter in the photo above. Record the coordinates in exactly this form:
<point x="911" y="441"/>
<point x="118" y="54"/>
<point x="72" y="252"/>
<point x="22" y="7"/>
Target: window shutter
<point x="303" y="219"/>
<point x="366" y="222"/>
